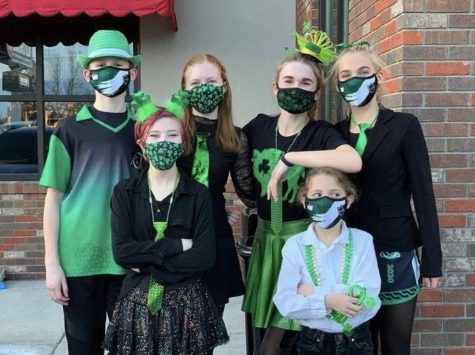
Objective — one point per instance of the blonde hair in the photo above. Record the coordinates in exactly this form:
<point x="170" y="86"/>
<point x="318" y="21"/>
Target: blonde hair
<point x="317" y="71"/>
<point x="375" y="59"/>
<point x="226" y="134"/>
<point x="341" y="178"/>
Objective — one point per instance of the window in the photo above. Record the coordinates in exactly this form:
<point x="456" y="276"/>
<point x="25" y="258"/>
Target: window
<point x="41" y="83"/>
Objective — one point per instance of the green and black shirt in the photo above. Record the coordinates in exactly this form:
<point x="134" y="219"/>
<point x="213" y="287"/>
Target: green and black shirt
<point x="88" y="155"/>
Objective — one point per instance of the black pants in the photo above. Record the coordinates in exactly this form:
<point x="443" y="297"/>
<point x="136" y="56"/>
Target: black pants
<point x="91" y="298"/>
<point x="317" y="342"/>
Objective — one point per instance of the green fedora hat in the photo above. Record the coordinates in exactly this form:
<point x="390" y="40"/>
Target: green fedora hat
<point x="108" y="43"/>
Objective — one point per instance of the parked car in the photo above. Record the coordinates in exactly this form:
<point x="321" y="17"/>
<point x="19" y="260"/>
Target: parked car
<point x="19" y="148"/>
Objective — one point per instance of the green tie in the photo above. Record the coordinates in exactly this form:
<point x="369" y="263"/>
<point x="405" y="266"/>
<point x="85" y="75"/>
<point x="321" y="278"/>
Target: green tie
<point x="362" y="139"/>
<point x="200" y="170"/>
<point x="155" y="290"/>
<point x="276" y="212"/>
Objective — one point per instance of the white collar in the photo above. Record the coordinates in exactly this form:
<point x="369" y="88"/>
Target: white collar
<point x="309" y="238"/>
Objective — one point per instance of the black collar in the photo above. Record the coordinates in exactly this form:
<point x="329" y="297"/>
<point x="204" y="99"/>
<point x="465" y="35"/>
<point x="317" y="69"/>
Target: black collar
<point x="184" y="185"/>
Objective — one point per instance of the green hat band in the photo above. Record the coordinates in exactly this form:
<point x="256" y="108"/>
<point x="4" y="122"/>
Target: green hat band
<point x="110" y="52"/>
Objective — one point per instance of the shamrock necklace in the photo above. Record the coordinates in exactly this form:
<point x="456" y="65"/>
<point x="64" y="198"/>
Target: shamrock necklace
<point x="276" y="207"/>
<point x="346" y="263"/>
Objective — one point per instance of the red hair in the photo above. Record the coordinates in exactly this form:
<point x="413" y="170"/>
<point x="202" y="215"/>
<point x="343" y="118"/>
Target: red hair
<point x="142" y="129"/>
<point x="226" y="134"/>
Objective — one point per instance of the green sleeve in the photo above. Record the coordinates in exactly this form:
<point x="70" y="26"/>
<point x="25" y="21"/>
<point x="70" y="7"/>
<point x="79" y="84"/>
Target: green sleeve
<point x="57" y="170"/>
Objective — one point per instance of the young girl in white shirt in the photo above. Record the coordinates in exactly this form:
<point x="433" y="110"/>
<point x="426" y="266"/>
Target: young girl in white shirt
<point x="329" y="281"/>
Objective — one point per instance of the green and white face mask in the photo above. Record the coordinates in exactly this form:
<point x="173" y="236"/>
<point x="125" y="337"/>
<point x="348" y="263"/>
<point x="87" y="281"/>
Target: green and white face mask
<point x="110" y="81"/>
<point x="325" y="211"/>
<point x="206" y="97"/>
<point x="163" y="155"/>
<point x="358" y="91"/>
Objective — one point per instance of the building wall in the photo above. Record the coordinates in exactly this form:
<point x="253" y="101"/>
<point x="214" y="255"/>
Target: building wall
<point x="248" y="36"/>
<point x="21" y="230"/>
<point x="429" y="48"/>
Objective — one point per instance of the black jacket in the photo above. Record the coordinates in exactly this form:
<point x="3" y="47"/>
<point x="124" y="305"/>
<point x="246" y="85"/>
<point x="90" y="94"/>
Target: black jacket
<point x="133" y="234"/>
<point x="396" y="167"/>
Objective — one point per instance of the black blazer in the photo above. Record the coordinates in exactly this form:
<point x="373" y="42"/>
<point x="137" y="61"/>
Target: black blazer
<point x="396" y="167"/>
<point x="133" y="245"/>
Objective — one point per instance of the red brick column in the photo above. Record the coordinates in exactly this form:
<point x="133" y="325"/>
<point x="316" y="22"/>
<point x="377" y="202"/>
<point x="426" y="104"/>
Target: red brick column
<point x="429" y="46"/>
<point x="21" y="230"/>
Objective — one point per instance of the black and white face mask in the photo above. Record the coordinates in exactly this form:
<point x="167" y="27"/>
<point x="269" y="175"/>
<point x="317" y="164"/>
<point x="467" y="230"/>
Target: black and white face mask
<point x="110" y="81"/>
<point x="358" y="91"/>
<point x="325" y="211"/>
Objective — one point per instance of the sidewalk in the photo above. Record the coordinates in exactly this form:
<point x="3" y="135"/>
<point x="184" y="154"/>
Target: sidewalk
<point x="31" y="324"/>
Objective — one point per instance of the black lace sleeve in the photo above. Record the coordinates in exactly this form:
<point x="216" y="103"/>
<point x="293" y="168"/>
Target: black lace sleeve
<point x="241" y="173"/>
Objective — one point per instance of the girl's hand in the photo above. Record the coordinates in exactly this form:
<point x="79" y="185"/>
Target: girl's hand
<point x="305" y="290"/>
<point x="343" y="304"/>
<point x="233" y="216"/>
<point x="430" y="282"/>
<point x="276" y="179"/>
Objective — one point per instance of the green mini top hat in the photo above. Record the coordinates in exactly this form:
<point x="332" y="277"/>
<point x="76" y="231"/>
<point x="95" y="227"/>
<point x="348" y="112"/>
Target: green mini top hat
<point x="108" y="43"/>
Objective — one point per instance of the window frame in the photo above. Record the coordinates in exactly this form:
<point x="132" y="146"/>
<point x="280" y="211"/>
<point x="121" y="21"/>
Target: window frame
<point x="40" y="98"/>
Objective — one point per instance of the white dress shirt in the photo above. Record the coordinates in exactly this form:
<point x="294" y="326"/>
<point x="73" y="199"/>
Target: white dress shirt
<point x="310" y="311"/>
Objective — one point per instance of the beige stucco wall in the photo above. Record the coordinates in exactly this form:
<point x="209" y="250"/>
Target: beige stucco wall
<point x="248" y="36"/>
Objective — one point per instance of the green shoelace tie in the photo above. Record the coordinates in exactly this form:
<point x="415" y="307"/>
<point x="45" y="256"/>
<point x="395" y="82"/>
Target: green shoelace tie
<point x="276" y="212"/>
<point x="362" y="138"/>
<point x="200" y="170"/>
<point x="155" y="290"/>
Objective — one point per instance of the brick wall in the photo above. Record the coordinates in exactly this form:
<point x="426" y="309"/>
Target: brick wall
<point x="21" y="230"/>
<point x="306" y="11"/>
<point x="429" y="46"/>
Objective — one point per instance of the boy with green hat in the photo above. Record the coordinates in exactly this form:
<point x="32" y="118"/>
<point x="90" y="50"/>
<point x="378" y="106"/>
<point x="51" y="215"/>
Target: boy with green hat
<point x="88" y="155"/>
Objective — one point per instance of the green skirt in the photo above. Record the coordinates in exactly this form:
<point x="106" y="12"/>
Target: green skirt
<point x="263" y="274"/>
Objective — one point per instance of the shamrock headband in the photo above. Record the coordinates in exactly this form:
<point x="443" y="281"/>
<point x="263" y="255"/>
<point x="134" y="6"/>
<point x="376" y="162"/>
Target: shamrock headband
<point x="143" y="107"/>
<point x="315" y="43"/>
<point x="344" y="46"/>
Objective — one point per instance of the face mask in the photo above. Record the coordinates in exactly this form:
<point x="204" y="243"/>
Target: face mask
<point x="110" y="81"/>
<point x="358" y="91"/>
<point x="206" y="97"/>
<point x="295" y="100"/>
<point x="162" y="155"/>
<point x="326" y="211"/>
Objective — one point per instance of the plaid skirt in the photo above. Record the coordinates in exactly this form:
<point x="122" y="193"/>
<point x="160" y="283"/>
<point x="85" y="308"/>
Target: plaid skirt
<point x="188" y="323"/>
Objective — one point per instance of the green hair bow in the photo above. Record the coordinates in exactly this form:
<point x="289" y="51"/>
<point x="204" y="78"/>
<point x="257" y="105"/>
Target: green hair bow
<point x="142" y="106"/>
<point x="176" y="105"/>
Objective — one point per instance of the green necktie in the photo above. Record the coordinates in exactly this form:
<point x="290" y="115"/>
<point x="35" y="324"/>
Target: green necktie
<point x="155" y="290"/>
<point x="200" y="170"/>
<point x="362" y="138"/>
<point x="276" y="212"/>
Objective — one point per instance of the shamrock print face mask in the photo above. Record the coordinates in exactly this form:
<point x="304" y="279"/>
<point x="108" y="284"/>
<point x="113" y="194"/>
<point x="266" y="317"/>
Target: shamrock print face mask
<point x="206" y="97"/>
<point x="295" y="100"/>
<point x="163" y="155"/>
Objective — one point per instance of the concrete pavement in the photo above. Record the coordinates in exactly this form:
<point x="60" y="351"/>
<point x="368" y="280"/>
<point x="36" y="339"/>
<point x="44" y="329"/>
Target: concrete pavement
<point x="31" y="324"/>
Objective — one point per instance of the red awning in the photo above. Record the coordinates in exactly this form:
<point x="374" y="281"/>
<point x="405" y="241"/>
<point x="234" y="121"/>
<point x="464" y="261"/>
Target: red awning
<point x="93" y="8"/>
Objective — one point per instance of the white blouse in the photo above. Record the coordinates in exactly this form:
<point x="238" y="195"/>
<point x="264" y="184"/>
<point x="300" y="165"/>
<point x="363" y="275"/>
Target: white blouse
<point x="310" y="311"/>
